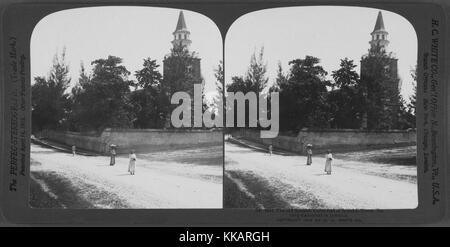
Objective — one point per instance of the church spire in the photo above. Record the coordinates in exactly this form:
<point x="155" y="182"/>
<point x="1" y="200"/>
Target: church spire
<point x="379" y="25"/>
<point x="181" y="24"/>
<point x="181" y="33"/>
<point x="379" y="34"/>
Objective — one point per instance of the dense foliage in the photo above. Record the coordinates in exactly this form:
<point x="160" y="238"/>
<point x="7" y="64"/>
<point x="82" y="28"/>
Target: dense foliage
<point x="105" y="97"/>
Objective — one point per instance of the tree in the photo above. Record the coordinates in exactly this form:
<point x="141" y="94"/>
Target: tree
<point x="256" y="73"/>
<point x="382" y="102"/>
<point x="219" y="75"/>
<point x="102" y="101"/>
<point x="76" y="109"/>
<point x="406" y="118"/>
<point x="303" y="96"/>
<point x="345" y="76"/>
<point x="280" y="80"/>
<point x="84" y="77"/>
<point x="408" y="110"/>
<point x="412" y="98"/>
<point x="180" y="75"/>
<point x="49" y="101"/>
<point x="240" y="84"/>
<point x="149" y="75"/>
<point x="255" y="80"/>
<point x="150" y="103"/>
<point x="218" y="100"/>
<point x="345" y="102"/>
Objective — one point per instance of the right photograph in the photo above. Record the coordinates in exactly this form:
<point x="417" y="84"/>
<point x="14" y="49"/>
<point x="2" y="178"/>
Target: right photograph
<point x="339" y="87"/>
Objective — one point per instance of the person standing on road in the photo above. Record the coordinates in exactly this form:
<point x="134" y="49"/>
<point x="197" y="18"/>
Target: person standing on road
<point x="113" y="155"/>
<point x="270" y="149"/>
<point x="74" y="150"/>
<point x="329" y="158"/>
<point x="308" y="154"/>
<point x="132" y="165"/>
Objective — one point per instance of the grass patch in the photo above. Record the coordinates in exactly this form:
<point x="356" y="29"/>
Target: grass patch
<point x="210" y="156"/>
<point x="396" y="160"/>
<point x="403" y="156"/>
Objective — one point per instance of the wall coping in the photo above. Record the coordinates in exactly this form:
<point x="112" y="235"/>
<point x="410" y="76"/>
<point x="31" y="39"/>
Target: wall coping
<point x="305" y="131"/>
<point x="110" y="130"/>
<point x="357" y="130"/>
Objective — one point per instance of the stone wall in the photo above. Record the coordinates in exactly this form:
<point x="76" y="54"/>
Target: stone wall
<point x="141" y="140"/>
<point x="148" y="140"/>
<point x="337" y="140"/>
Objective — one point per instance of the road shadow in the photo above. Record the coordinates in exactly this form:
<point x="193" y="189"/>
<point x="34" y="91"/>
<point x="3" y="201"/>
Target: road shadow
<point x="69" y="194"/>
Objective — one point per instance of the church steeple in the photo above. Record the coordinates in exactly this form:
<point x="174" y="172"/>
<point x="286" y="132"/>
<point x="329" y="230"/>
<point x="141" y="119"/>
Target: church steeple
<point x="389" y="97"/>
<point x="181" y="33"/>
<point x="379" y="34"/>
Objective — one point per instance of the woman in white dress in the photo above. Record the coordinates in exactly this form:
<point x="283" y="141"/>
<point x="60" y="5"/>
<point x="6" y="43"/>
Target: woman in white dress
<point x="132" y="165"/>
<point x="329" y="158"/>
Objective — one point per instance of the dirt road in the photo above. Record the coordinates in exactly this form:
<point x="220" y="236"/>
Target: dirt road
<point x="189" y="178"/>
<point x="280" y="181"/>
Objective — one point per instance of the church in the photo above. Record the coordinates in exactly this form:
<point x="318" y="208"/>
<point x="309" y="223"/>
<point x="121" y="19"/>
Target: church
<point x="181" y="68"/>
<point x="181" y="40"/>
<point x="390" y="84"/>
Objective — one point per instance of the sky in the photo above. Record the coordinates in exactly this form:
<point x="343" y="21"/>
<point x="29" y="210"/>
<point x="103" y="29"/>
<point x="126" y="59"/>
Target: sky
<point x="328" y="32"/>
<point x="132" y="33"/>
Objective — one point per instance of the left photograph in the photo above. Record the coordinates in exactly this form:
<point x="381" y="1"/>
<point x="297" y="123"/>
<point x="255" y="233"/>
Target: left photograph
<point x="103" y="132"/>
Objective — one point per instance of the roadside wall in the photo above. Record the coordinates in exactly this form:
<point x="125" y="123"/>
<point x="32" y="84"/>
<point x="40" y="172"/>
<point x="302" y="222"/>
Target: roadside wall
<point x="345" y="139"/>
<point x="141" y="140"/>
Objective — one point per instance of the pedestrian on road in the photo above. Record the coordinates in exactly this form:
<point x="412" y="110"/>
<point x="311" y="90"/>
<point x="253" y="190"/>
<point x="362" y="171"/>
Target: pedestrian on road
<point x="112" y="151"/>
<point x="329" y="158"/>
<point x="270" y="149"/>
<point x="132" y="165"/>
<point x="308" y="154"/>
<point x="74" y="150"/>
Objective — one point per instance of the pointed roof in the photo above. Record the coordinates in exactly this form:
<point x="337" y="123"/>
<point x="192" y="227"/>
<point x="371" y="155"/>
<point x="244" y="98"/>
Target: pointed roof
<point x="379" y="25"/>
<point x="181" y="24"/>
